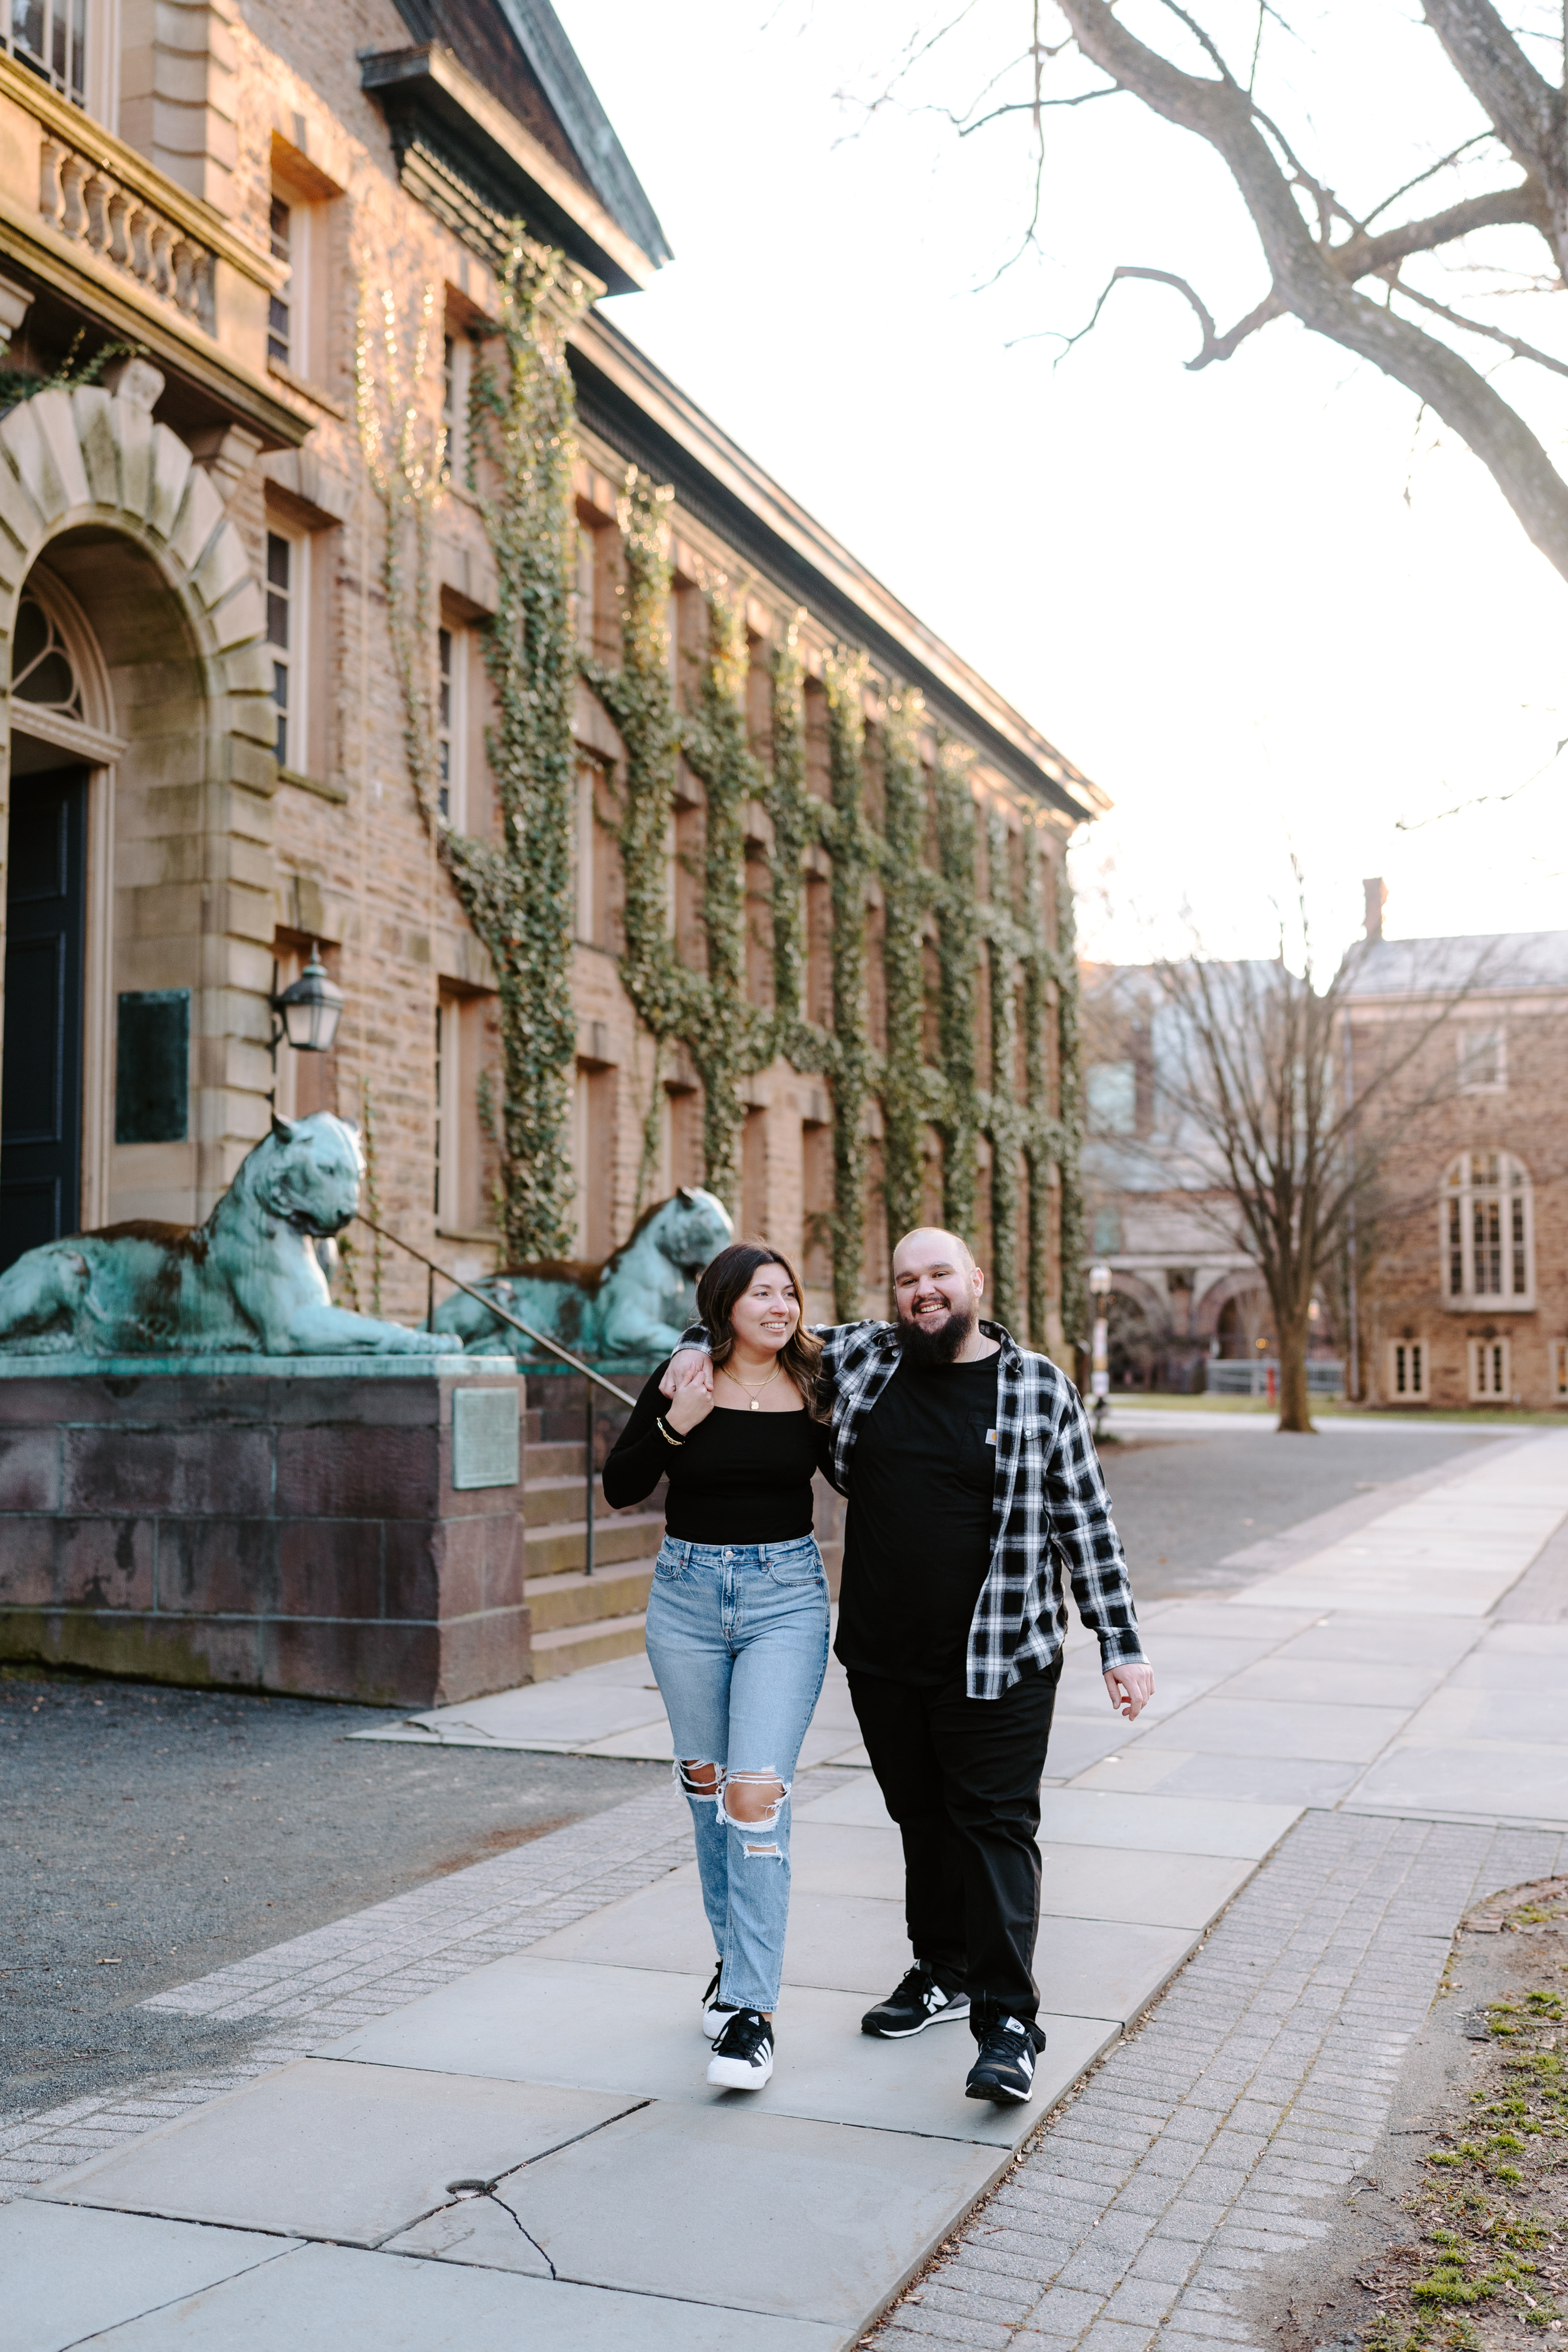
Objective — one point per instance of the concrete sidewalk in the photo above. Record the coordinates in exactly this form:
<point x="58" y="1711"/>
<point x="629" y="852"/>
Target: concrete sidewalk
<point x="482" y="2119"/>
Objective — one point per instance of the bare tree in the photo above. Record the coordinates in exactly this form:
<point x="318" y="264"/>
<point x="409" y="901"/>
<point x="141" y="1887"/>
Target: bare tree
<point x="1254" y="1074"/>
<point x="1321" y="257"/>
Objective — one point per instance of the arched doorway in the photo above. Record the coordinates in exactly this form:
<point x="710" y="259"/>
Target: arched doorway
<point x="1245" y="1326"/>
<point x="60" y="744"/>
<point x="139" y="870"/>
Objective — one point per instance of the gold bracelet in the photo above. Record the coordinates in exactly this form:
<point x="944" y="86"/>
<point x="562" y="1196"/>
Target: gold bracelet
<point x="669" y="1436"/>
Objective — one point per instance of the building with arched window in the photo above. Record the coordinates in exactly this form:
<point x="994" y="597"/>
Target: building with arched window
<point x="253" y="284"/>
<point x="1463" y="1262"/>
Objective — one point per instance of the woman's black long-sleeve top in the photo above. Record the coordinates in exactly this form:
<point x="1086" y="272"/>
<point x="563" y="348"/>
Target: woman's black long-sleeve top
<point x="737" y="1477"/>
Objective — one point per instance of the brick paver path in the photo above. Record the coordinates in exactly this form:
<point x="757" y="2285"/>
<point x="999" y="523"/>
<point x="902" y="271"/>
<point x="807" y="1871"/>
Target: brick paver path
<point x="1226" y="2128"/>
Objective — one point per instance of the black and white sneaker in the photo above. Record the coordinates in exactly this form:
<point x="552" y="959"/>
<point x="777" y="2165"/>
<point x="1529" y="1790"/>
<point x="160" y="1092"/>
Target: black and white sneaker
<point x="1004" y="2070"/>
<point x="920" y="2000"/>
<point x="716" y="2013"/>
<point x="743" y="2056"/>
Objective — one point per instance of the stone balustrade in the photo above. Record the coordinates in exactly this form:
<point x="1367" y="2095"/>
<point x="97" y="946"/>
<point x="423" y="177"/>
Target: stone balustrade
<point x="83" y="200"/>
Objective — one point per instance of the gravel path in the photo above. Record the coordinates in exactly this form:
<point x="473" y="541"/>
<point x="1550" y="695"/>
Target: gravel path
<point x="149" y="1835"/>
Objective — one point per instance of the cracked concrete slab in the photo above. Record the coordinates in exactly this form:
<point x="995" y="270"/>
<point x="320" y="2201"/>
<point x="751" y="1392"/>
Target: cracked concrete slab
<point x="638" y="2031"/>
<point x="324" y="2298"/>
<point x="838" y="2212"/>
<point x="349" y="2153"/>
<point x="68" y="2272"/>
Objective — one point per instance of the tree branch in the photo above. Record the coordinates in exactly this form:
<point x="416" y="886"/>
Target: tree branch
<point x="1214" y="346"/>
<point x="1306" y="282"/>
<point x="1523" y="108"/>
<point x="1432" y="170"/>
<point x="1362" y="255"/>
<point x="1475" y="327"/>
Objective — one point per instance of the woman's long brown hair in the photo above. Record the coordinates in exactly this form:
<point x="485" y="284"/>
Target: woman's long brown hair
<point x="728" y="1278"/>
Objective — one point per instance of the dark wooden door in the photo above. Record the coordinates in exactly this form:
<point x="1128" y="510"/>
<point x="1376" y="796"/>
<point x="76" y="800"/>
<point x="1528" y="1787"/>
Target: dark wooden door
<point x="40" y="1084"/>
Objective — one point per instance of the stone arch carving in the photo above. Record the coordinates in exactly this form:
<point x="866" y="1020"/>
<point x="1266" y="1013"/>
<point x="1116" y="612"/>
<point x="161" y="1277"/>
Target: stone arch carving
<point x="1213" y="1301"/>
<point x="135" y="534"/>
<point x="94" y="457"/>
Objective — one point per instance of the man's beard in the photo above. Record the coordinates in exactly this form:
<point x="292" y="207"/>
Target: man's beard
<point x="927" y="1350"/>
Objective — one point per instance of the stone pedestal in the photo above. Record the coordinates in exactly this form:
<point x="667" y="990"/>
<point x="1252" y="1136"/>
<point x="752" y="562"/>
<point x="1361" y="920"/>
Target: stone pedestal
<point x="323" y="1525"/>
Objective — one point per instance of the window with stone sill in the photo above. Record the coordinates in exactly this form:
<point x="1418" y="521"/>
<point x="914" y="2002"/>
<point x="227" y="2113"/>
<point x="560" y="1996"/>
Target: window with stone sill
<point x="456" y="365"/>
<point x="1483" y="1059"/>
<point x="1491" y="1377"/>
<point x="1409" y="1367"/>
<point x="1488" y="1240"/>
<point x="51" y="38"/>
<point x="296" y="327"/>
<point x="1110" y="1094"/>
<point x="288" y="638"/>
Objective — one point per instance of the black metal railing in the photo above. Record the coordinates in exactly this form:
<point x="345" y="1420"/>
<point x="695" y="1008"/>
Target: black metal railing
<point x="541" y="1339"/>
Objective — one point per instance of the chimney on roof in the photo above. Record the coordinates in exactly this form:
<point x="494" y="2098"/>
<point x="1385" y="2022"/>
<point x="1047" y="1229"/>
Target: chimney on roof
<point x="1376" y="890"/>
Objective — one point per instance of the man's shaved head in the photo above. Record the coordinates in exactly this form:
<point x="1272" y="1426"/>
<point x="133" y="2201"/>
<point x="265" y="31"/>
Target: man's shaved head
<point x="928" y="1242"/>
<point x="936" y="1295"/>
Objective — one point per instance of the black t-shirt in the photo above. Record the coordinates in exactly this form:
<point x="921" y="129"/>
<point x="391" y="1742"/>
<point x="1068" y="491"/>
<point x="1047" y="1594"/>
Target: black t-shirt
<point x="736" y="1478"/>
<point x="917" y="1541"/>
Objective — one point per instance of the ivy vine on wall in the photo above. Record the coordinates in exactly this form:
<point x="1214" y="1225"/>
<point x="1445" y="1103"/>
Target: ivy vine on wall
<point x="924" y="855"/>
<point x="516" y="891"/>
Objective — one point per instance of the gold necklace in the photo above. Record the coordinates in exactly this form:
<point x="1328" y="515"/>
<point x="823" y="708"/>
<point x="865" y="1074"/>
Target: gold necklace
<point x="753" y="1394"/>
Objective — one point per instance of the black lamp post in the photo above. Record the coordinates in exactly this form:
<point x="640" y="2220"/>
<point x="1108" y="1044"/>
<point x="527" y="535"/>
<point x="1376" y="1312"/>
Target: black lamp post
<point x="306" y="1013"/>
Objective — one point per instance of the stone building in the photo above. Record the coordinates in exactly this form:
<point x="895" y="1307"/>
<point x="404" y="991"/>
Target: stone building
<point x="1463" y="1274"/>
<point x="1187" y="1296"/>
<point x="806" y="937"/>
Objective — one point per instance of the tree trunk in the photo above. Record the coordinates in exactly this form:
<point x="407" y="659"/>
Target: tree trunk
<point x="1295" y="1415"/>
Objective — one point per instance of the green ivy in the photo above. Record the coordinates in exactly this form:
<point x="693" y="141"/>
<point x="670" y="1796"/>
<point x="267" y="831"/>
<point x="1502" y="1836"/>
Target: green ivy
<point x="909" y="890"/>
<point x="958" y="958"/>
<point x="854" y="1066"/>
<point x="518" y="892"/>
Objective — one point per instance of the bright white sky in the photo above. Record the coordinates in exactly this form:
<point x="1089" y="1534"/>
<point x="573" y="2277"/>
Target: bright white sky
<point x="1258" y="606"/>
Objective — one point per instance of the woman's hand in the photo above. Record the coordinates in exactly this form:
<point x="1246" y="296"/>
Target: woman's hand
<point x="689" y="1384"/>
<point x="682" y="1365"/>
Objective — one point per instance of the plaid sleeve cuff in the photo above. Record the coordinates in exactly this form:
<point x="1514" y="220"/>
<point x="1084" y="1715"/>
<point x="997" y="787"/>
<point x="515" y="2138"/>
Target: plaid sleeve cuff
<point x="1120" y="1647"/>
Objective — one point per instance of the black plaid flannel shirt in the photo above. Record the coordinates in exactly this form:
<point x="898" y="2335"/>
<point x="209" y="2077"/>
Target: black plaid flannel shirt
<point x="1049" y="1505"/>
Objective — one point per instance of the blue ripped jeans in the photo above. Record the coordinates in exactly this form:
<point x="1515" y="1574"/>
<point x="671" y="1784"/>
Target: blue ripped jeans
<point x="737" y="1635"/>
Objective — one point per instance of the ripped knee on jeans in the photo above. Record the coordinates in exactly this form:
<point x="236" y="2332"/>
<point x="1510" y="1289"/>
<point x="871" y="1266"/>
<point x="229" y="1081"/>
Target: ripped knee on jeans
<point x="753" y="1800"/>
<point x="697" y="1778"/>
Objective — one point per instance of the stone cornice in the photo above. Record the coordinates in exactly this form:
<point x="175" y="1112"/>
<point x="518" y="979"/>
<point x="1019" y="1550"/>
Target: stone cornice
<point x="419" y="87"/>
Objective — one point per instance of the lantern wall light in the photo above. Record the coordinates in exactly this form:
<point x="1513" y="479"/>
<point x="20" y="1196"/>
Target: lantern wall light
<point x="306" y="1013"/>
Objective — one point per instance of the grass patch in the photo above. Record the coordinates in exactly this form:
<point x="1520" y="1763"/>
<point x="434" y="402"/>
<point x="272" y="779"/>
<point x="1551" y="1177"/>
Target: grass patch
<point x="1487" y="2259"/>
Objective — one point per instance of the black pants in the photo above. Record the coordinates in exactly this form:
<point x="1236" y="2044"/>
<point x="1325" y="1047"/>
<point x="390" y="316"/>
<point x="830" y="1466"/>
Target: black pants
<point x="961" y="1777"/>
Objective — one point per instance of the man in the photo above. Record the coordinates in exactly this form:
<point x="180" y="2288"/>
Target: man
<point x="970" y="1473"/>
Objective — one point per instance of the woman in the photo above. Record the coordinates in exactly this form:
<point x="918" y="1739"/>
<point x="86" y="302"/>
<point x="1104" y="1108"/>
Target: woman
<point x="737" y="1619"/>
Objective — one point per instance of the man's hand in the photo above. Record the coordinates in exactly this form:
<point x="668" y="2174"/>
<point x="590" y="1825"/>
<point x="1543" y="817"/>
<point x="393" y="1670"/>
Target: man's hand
<point x="689" y="1384"/>
<point x="1130" y="1689"/>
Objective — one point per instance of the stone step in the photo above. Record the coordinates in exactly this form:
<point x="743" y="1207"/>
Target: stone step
<point x="557" y="1601"/>
<point x="570" y="1646"/>
<point x="557" y="1549"/>
<point x="547" y="1461"/>
<point x="547" y="1501"/>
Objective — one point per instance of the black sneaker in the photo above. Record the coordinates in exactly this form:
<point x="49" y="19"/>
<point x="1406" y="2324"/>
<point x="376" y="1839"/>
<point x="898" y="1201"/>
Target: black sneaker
<point x="743" y="2056"/>
<point x="921" y="2000"/>
<point x="1004" y="2070"/>
<point x="716" y="2013"/>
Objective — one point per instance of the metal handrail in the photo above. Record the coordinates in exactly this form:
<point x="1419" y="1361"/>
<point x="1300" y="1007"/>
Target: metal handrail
<point x="542" y="1339"/>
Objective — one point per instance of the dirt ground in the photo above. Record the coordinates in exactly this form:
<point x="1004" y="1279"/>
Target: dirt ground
<point x="1456" y="2237"/>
